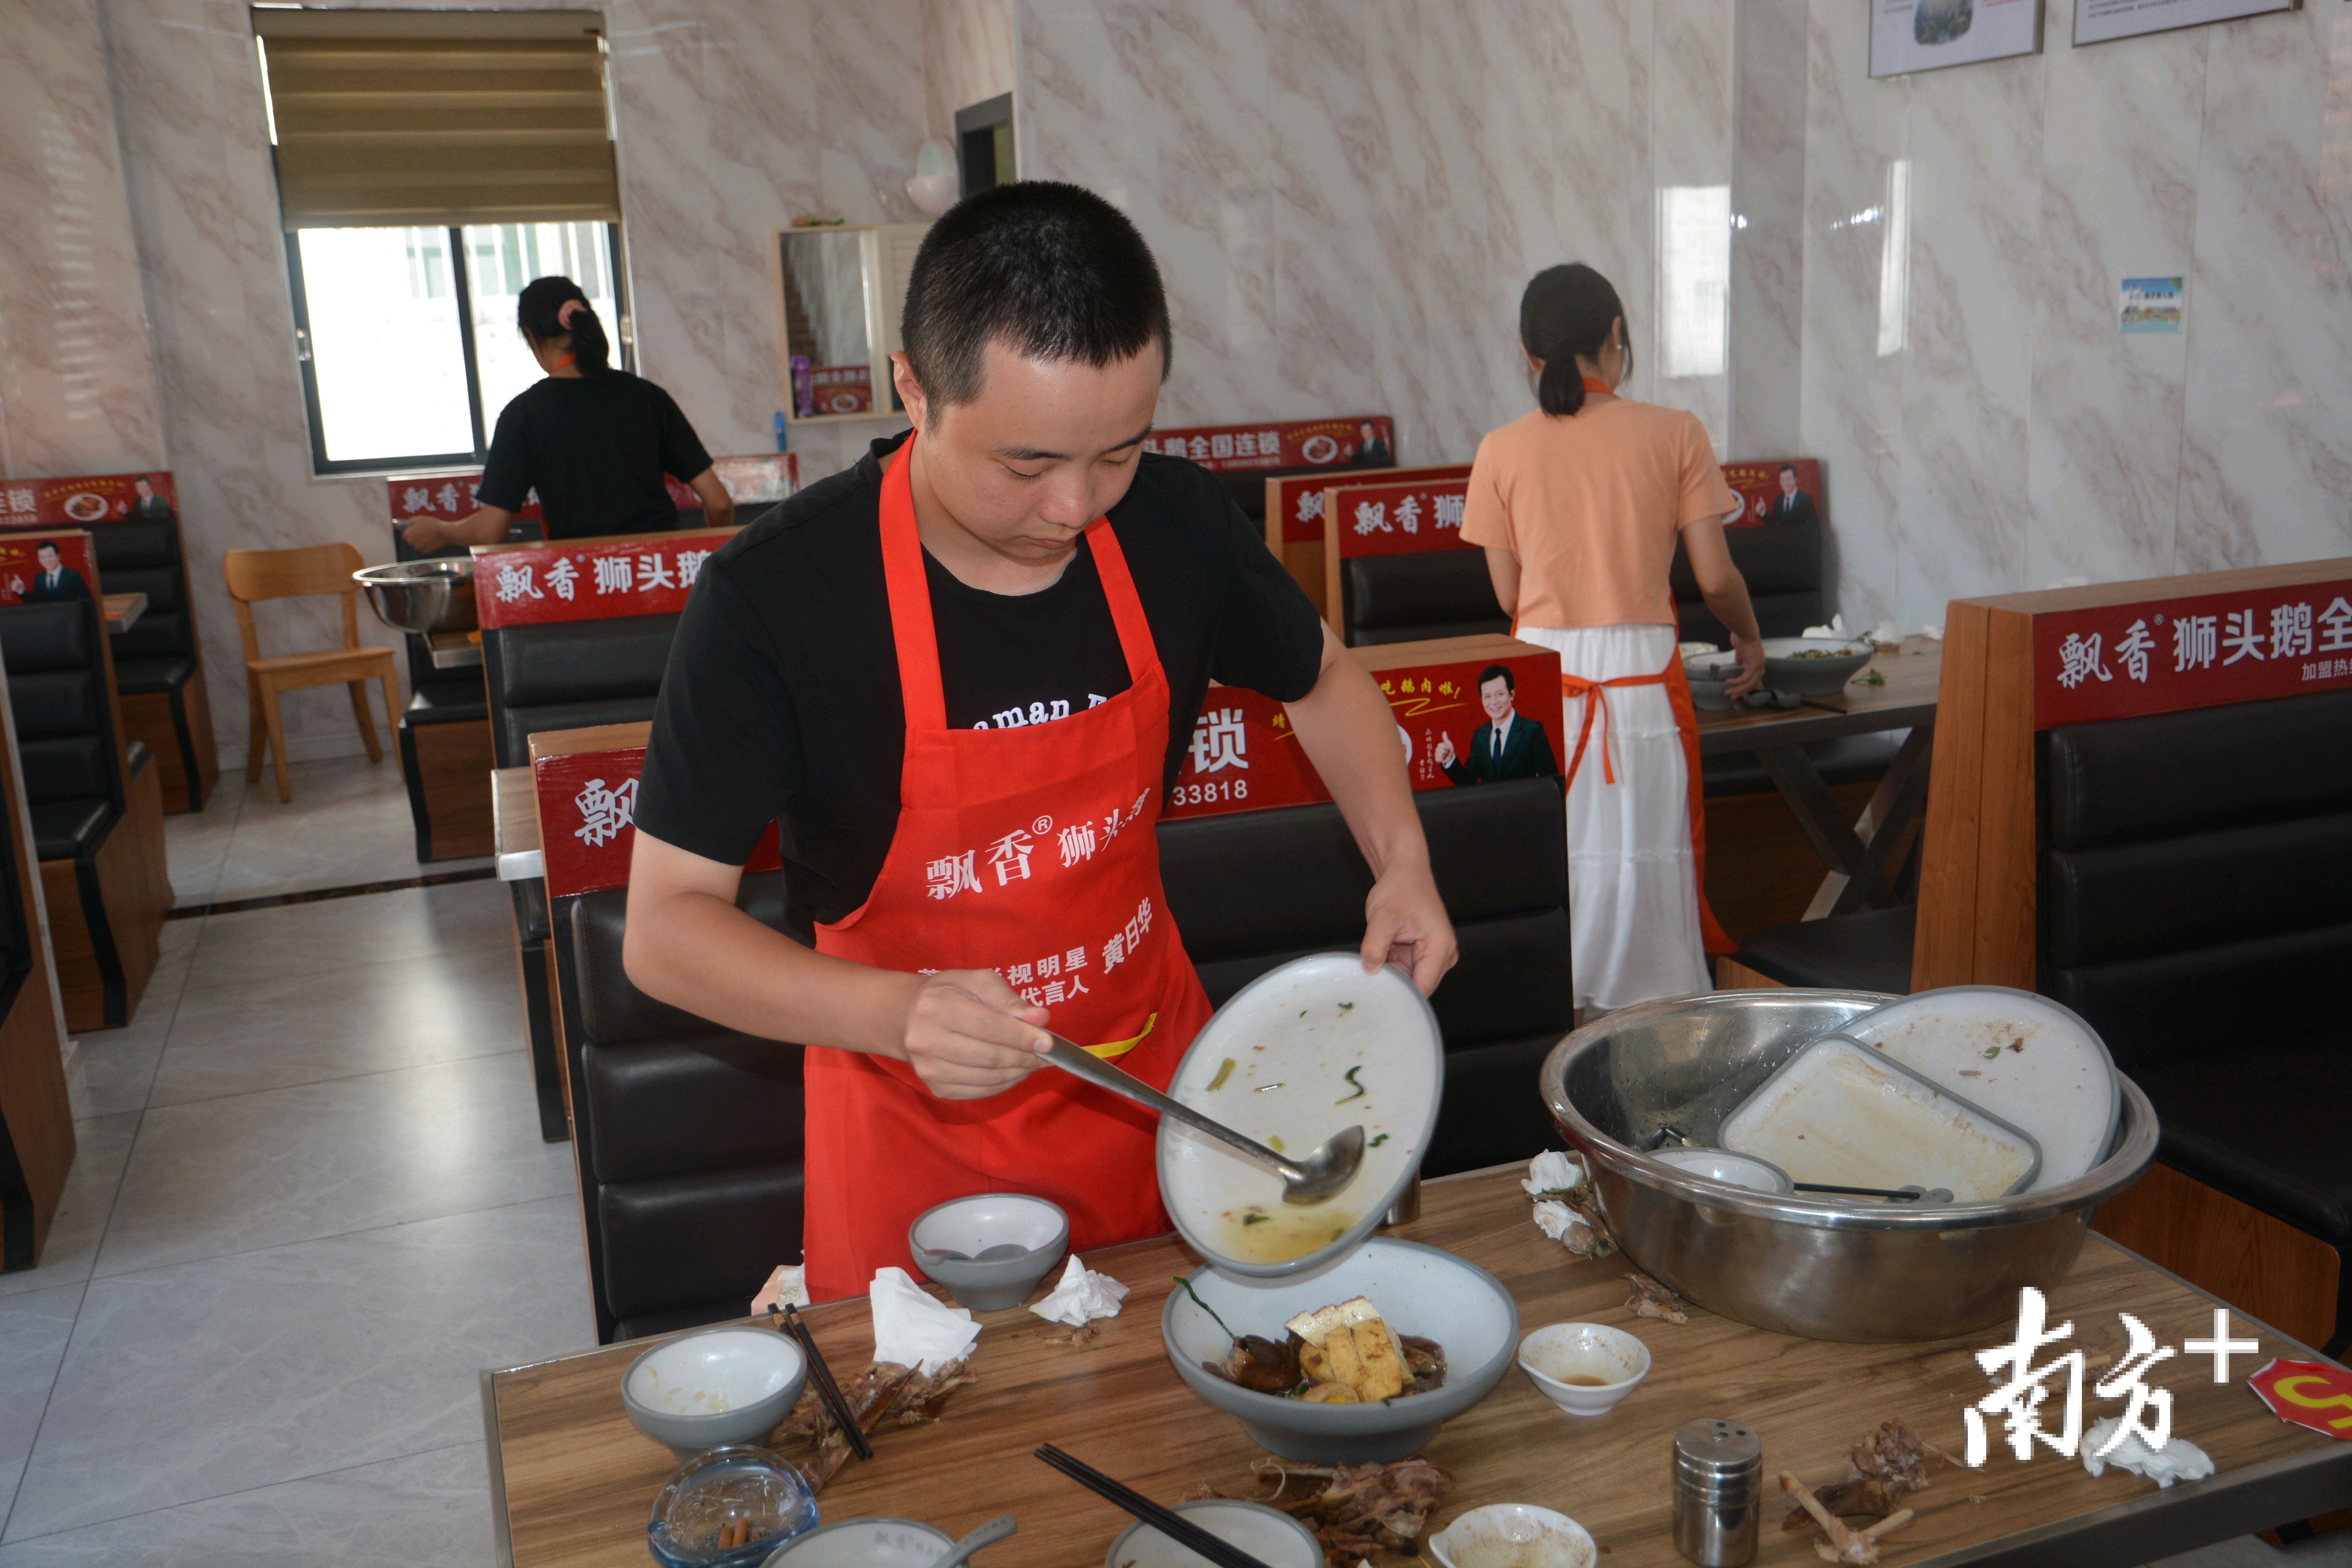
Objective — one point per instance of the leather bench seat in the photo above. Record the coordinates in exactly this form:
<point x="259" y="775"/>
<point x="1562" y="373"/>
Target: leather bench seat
<point x="2266" y="1125"/>
<point x="451" y="702"/>
<point x="1404" y="598"/>
<point x="66" y="829"/>
<point x="161" y="672"/>
<point x="1782" y="565"/>
<point x="571" y="675"/>
<point x="1869" y="951"/>
<point x="1847" y="759"/>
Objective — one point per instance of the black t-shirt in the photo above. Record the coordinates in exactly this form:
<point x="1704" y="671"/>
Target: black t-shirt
<point x="595" y="448"/>
<point x="781" y="700"/>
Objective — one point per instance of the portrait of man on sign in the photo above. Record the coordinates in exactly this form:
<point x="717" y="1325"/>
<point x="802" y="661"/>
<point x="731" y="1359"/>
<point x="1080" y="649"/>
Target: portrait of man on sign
<point x="1509" y="746"/>
<point x="54" y="581"/>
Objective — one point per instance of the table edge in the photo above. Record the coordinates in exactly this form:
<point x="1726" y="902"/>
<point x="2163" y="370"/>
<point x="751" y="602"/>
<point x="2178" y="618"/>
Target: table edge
<point x="501" y="1525"/>
<point x="1811" y="724"/>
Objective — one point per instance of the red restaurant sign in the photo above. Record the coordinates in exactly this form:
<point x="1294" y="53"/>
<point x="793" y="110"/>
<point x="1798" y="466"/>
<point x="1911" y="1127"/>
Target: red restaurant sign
<point x="2160" y="656"/>
<point x="89" y="498"/>
<point x="1399" y="518"/>
<point x="589" y="580"/>
<point x="24" y="582"/>
<point x="1757" y="486"/>
<point x="1299" y="498"/>
<point x="587" y="819"/>
<point x="1245" y="757"/>
<point x="453" y="497"/>
<point x="1364" y="441"/>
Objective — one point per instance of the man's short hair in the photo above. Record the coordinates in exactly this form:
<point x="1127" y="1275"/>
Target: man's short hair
<point x="1498" y="672"/>
<point x="1051" y="270"/>
<point x="1787" y="468"/>
<point x="46" y="544"/>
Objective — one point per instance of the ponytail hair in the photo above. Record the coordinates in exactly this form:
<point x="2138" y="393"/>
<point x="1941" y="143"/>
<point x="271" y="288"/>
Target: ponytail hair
<point x="555" y="307"/>
<point x="1565" y="312"/>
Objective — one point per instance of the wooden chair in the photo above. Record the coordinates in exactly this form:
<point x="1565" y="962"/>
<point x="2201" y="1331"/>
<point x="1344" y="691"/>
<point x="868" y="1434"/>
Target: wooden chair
<point x="257" y="575"/>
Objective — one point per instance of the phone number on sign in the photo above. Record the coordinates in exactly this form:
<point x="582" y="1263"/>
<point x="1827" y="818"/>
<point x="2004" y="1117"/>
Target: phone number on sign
<point x="1209" y="793"/>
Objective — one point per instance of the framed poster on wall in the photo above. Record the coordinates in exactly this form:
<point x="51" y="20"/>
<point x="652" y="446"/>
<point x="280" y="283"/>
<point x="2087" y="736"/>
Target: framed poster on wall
<point x="1908" y="35"/>
<point x="2104" y="21"/>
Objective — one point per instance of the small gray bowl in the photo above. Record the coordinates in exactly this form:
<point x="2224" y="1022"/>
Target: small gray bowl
<point x="735" y="1383"/>
<point x="989" y="1250"/>
<point x="1267" y="1534"/>
<point x="1827" y="665"/>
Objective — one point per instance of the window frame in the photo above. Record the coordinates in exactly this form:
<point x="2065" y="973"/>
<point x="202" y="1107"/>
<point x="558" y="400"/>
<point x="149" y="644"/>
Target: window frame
<point x="462" y="282"/>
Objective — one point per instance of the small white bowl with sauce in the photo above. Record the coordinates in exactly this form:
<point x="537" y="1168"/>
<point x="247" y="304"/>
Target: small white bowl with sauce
<point x="1586" y="1369"/>
<point x="1513" y="1535"/>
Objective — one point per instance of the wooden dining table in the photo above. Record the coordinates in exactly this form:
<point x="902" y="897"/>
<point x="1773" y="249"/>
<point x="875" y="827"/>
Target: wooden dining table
<point x="573" y="1481"/>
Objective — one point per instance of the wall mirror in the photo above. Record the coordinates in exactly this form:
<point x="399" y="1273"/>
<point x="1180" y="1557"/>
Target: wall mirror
<point x="841" y="289"/>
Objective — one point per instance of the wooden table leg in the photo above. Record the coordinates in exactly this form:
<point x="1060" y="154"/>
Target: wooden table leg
<point x="1800" y="785"/>
<point x="1901" y="797"/>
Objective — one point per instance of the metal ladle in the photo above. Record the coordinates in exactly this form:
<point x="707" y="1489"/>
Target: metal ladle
<point x="1329" y="1168"/>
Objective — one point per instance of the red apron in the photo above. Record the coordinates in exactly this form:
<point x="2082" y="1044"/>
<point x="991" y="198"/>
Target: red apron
<point x="1713" y="938"/>
<point x="1029" y="851"/>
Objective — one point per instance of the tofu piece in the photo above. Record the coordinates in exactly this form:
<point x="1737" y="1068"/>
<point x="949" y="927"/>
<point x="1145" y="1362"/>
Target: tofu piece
<point x="1383" y="1374"/>
<point x="1315" y="1363"/>
<point x="1347" y="1365"/>
<point x="1316" y="1326"/>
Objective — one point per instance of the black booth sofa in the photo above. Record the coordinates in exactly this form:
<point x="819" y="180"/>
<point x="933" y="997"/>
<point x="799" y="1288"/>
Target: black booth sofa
<point x="687" y="1137"/>
<point x="2192" y="908"/>
<point x="156" y="663"/>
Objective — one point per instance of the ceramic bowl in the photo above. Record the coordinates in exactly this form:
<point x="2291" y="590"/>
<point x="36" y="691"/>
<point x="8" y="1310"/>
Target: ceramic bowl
<point x="1828" y="663"/>
<point x="1315" y="1047"/>
<point x="876" y="1542"/>
<point x="1586" y="1369"/>
<point x="712" y="1491"/>
<point x="1268" y="1534"/>
<point x="1759" y="1175"/>
<point x="1708" y="673"/>
<point x="989" y="1251"/>
<point x="1513" y="1535"/>
<point x="713" y="1387"/>
<point x="1418" y="1290"/>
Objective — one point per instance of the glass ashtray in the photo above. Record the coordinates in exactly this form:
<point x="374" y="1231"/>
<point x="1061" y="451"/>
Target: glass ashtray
<point x="715" y="1497"/>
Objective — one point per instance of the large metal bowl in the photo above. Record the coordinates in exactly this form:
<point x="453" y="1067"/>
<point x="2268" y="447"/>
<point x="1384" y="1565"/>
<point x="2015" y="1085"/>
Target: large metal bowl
<point x="1818" y="1268"/>
<point x="433" y="595"/>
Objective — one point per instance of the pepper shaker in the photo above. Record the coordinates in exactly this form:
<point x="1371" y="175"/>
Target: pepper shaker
<point x="1718" y="1492"/>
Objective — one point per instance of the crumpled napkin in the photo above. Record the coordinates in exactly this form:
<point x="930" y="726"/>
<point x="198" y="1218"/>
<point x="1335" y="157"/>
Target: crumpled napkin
<point x="1081" y="1294"/>
<point x="787" y="1286"/>
<point x="2178" y="1460"/>
<point x="912" y="1328"/>
<point x="1553" y="1172"/>
<point x="1564" y="1225"/>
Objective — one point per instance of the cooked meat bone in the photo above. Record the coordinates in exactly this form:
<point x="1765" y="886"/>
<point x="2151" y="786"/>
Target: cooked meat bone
<point x="1845" y="1544"/>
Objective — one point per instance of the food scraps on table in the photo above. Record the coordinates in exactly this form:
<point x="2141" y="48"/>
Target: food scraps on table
<point x="884" y="1394"/>
<point x="1652" y="1299"/>
<point x="1885" y="1467"/>
<point x="1845" y="1544"/>
<point x="1566" y="1208"/>
<point x="1344" y="1353"/>
<point x="1357" y="1511"/>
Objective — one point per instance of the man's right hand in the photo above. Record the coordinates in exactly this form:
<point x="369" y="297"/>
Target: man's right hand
<point x="1443" y="755"/>
<point x="968" y="1034"/>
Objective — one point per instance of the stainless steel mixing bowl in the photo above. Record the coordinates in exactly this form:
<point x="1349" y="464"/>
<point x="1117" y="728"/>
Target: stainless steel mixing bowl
<point x="1818" y="1268"/>
<point x="435" y="595"/>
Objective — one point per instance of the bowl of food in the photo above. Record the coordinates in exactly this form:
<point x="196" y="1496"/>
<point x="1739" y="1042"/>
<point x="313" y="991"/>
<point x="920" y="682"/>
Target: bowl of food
<point x="1301" y="1053"/>
<point x="1268" y="1534"/>
<point x="1359" y="1362"/>
<point x="989" y="1250"/>
<point x="877" y="1541"/>
<point x="1709" y="674"/>
<point x="431" y="595"/>
<point x="713" y="1387"/>
<point x="1813" y="1267"/>
<point x="1586" y="1369"/>
<point x="730" y="1507"/>
<point x="1813" y="667"/>
<point x="1513" y="1535"/>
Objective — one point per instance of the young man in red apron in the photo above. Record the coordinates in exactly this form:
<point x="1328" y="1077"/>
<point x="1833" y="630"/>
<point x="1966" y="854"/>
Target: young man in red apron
<point x="959" y="676"/>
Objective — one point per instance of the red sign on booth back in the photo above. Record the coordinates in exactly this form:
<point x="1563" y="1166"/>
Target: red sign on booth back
<point x="1245" y="757"/>
<point x="1300" y="497"/>
<point x="87" y="500"/>
<point x="1399" y="518"/>
<point x="589" y="580"/>
<point x="455" y="496"/>
<point x="1757" y="486"/>
<point x="2160" y="656"/>
<point x="588" y="816"/>
<point x="1364" y="440"/>
<point x="22" y="580"/>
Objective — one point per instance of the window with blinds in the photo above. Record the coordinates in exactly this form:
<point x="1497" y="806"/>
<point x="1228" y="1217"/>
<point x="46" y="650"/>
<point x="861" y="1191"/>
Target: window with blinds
<point x="437" y="119"/>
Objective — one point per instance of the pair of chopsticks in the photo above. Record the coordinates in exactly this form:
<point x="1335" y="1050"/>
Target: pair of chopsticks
<point x="827" y="1389"/>
<point x="1166" y="1521"/>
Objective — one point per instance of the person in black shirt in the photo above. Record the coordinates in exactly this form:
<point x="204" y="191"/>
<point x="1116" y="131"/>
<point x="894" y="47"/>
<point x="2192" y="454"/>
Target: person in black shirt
<point x="959" y="676"/>
<point x="593" y="441"/>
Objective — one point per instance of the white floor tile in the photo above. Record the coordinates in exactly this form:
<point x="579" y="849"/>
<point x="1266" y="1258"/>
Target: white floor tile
<point x="101" y="1147"/>
<point x="34" y="1329"/>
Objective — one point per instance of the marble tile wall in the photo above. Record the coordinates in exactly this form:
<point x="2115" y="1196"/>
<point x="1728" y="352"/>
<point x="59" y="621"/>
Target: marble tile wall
<point x="731" y="117"/>
<point x="1349" y="195"/>
<point x="77" y="376"/>
<point x="967" y="59"/>
<point x="1985" y="425"/>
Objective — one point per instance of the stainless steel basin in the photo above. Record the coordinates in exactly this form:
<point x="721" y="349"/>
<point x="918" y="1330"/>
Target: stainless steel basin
<point x="1818" y="1268"/>
<point x="435" y="595"/>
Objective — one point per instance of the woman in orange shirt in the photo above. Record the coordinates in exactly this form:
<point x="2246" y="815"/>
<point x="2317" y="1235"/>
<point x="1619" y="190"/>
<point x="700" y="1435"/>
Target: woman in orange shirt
<point x="1579" y="506"/>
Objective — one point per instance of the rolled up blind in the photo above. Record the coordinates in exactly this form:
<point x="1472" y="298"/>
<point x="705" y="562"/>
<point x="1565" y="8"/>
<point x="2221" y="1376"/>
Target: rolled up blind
<point x="409" y="118"/>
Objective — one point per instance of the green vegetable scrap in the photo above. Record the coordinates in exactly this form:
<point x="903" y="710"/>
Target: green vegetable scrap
<point x="1350" y="1076"/>
<point x="1206" y="1307"/>
<point x="1276" y="1144"/>
<point x="1873" y="676"/>
<point x="1223" y="1073"/>
<point x="1380" y="1140"/>
<point x="1251" y="1220"/>
<point x="1993" y="1053"/>
<point x="1347" y="1006"/>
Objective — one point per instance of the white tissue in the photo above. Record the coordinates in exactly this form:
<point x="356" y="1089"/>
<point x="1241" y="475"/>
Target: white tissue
<point x="787" y="1286"/>
<point x="1553" y="1172"/>
<point x="912" y="1329"/>
<point x="1080" y="1296"/>
<point x="2178" y="1460"/>
<point x="1836" y="629"/>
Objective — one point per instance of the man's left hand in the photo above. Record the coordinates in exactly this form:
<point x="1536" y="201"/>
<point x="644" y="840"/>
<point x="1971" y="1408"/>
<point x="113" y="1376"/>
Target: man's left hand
<point x="1405" y="924"/>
